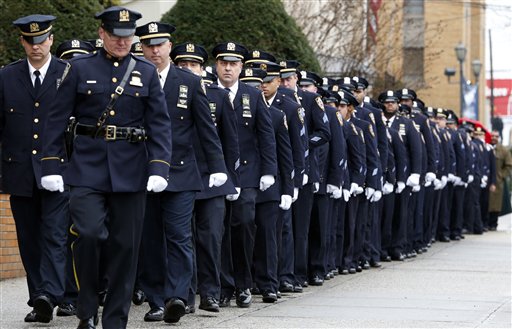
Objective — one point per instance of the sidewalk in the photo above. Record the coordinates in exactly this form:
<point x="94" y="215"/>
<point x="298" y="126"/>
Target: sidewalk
<point x="456" y="284"/>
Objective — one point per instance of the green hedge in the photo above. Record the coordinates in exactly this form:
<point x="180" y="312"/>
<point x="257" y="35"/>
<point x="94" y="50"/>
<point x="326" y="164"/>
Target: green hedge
<point x="262" y="25"/>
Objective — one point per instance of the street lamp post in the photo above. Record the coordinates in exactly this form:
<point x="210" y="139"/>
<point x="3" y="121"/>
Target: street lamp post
<point x="460" y="52"/>
<point x="477" y="66"/>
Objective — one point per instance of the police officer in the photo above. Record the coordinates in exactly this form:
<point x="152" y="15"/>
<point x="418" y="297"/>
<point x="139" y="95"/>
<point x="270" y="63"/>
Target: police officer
<point x="122" y="146"/>
<point x="27" y="90"/>
<point x="210" y="207"/>
<point x="190" y="115"/>
<point x="258" y="168"/>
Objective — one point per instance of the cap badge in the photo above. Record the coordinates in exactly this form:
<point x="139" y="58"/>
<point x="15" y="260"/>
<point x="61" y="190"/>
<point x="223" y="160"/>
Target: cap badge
<point x="303" y="74"/>
<point x="138" y="46"/>
<point x="124" y="16"/>
<point x="263" y="67"/>
<point x="335" y="88"/>
<point x="283" y="64"/>
<point x="153" y="28"/>
<point x="256" y="54"/>
<point x="356" y="79"/>
<point x="324" y="81"/>
<point x="34" y="27"/>
<point x="390" y="93"/>
<point x="99" y="43"/>
<point x="346" y="80"/>
<point x="248" y="72"/>
<point x="231" y="46"/>
<point x="342" y="94"/>
<point x="190" y="48"/>
<point x="405" y="91"/>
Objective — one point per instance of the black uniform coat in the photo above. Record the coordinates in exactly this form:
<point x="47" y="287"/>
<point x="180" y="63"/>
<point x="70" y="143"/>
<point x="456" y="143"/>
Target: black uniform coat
<point x="109" y="166"/>
<point x="22" y="118"/>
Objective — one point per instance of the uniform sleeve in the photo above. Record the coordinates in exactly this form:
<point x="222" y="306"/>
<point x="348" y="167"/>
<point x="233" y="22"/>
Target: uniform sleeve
<point x="228" y="133"/>
<point x="400" y="155"/>
<point x="284" y="155"/>
<point x="374" y="171"/>
<point x="297" y="130"/>
<point x="320" y="132"/>
<point x="414" y="144"/>
<point x="429" y="144"/>
<point x="337" y="151"/>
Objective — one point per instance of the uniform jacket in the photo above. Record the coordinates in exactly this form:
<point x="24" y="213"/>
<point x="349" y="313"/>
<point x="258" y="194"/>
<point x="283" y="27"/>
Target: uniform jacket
<point x="22" y="118"/>
<point x="356" y="154"/>
<point x="224" y="118"/>
<point x="412" y="142"/>
<point x="109" y="166"/>
<point x="284" y="178"/>
<point x="256" y="137"/>
<point x="190" y="117"/>
<point x="375" y="116"/>
<point x="373" y="167"/>
<point x="422" y="122"/>
<point x="399" y="155"/>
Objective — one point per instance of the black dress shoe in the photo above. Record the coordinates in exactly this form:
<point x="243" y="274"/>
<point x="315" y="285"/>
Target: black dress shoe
<point x="386" y="258"/>
<point x="344" y="271"/>
<point x="30" y="317"/>
<point x="269" y="296"/>
<point x="335" y="272"/>
<point x="255" y="291"/>
<point x="209" y="304"/>
<point x="352" y="270"/>
<point x="455" y="238"/>
<point x="278" y="294"/>
<point x="155" y="314"/>
<point x="419" y="251"/>
<point x="243" y="298"/>
<point x="316" y="281"/>
<point x="444" y="239"/>
<point x="298" y="288"/>
<point x="305" y="284"/>
<point x="174" y="310"/>
<point x="286" y="286"/>
<point x="66" y="309"/>
<point x="365" y="265"/>
<point x="398" y="257"/>
<point x="43" y="307"/>
<point x="224" y="301"/>
<point x="139" y="297"/>
<point x="89" y="323"/>
<point x="190" y="309"/>
<point x="375" y="264"/>
<point x="327" y="276"/>
<point x="359" y="268"/>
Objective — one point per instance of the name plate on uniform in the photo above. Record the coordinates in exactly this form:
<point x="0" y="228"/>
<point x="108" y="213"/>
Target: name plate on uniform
<point x="183" y="95"/>
<point x="246" y="103"/>
<point x="401" y="129"/>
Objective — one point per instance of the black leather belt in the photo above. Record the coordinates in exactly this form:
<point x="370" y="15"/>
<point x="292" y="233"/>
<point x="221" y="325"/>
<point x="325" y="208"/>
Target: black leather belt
<point x="112" y="133"/>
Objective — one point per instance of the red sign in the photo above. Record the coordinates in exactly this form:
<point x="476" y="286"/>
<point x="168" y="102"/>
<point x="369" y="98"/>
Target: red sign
<point x="502" y="96"/>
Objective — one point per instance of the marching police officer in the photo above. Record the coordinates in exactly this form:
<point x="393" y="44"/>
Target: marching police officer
<point x="27" y="90"/>
<point x="122" y="147"/>
<point x="190" y="115"/>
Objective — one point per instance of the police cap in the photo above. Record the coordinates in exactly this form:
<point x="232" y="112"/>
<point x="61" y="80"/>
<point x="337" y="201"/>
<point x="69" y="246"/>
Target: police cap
<point x="154" y="33"/>
<point x="272" y="70"/>
<point x="327" y="83"/>
<point x="118" y="21"/>
<point x="309" y="78"/>
<point x="189" y="52"/>
<point x="388" y="96"/>
<point x="253" y="76"/>
<point x="289" y="68"/>
<point x="406" y="94"/>
<point x="362" y="83"/>
<point x="451" y="117"/>
<point x="345" y="83"/>
<point x="230" y="52"/>
<point x="345" y="97"/>
<point x="71" y="48"/>
<point x="35" y="28"/>
<point x="258" y="56"/>
<point x="97" y="43"/>
<point x="136" y="49"/>
<point x="208" y="75"/>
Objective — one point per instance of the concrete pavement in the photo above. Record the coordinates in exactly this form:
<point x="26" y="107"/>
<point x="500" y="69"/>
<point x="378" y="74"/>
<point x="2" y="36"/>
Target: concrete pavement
<point x="456" y="284"/>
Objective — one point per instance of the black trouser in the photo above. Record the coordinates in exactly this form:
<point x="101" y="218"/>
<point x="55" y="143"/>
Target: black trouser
<point x="472" y="211"/>
<point x="388" y="209"/>
<point x="349" y="231"/>
<point x="400" y="220"/>
<point x="301" y="219"/>
<point x="42" y="223"/>
<point x="89" y="209"/>
<point x="331" y="231"/>
<point x="484" y="206"/>
<point x="457" y="217"/>
<point x="428" y="214"/>
<point x="419" y="220"/>
<point x="340" y="233"/>
<point x="374" y="227"/>
<point x="286" y="249"/>
<point x="265" y="246"/>
<point x="208" y="230"/>
<point x="360" y="229"/>
<point x="318" y="236"/>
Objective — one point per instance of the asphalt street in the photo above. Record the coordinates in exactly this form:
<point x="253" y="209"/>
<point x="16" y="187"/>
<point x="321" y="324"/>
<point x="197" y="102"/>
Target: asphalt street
<point x="464" y="284"/>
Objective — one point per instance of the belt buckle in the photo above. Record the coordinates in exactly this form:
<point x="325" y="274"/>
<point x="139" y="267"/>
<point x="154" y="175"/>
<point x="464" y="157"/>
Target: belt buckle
<point x="110" y="133"/>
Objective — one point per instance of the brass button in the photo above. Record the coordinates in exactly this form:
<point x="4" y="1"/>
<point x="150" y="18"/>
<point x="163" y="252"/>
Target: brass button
<point x="245" y="161"/>
<point x="9" y="159"/>
<point x="36" y="104"/>
<point x="114" y="79"/>
<point x="88" y="92"/>
<point x="116" y="64"/>
<point x="247" y="123"/>
<point x="36" y="120"/>
<point x="36" y="136"/>
<point x="112" y="113"/>
<point x="34" y="152"/>
<point x="181" y="162"/>
<point x="136" y="94"/>
<point x="111" y="95"/>
<point x="11" y="110"/>
<point x="61" y="160"/>
<point x="181" y="118"/>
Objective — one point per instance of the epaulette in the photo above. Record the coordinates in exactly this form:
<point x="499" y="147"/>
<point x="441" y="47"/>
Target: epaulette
<point x="14" y="63"/>
<point x="77" y="58"/>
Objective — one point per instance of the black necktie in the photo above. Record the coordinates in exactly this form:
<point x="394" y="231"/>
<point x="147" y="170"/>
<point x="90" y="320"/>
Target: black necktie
<point x="388" y="122"/>
<point x="37" y="82"/>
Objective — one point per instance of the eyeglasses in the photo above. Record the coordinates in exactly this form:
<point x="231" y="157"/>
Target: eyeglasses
<point x="116" y="38"/>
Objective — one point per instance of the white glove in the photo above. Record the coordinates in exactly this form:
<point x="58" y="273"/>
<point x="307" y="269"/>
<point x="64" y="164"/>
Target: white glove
<point x="416" y="188"/>
<point x="353" y="188"/>
<point x="399" y="187"/>
<point x="316" y="187"/>
<point x="427" y="184"/>
<point x="346" y="195"/>
<point x="471" y="178"/>
<point x="266" y="181"/>
<point x="336" y="194"/>
<point x="376" y="196"/>
<point x="295" y="194"/>
<point x="485" y="179"/>
<point x="359" y="190"/>
<point x="429" y="177"/>
<point x="483" y="182"/>
<point x="53" y="183"/>
<point x="156" y="183"/>
<point x="387" y="188"/>
<point x="451" y="178"/>
<point x="286" y="202"/>
<point x="369" y="192"/>
<point x="438" y="184"/>
<point x="233" y="197"/>
<point x="217" y="179"/>
<point x="444" y="181"/>
<point x="413" y="180"/>
<point x="305" y="179"/>
<point x="331" y="188"/>
<point x="457" y="181"/>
